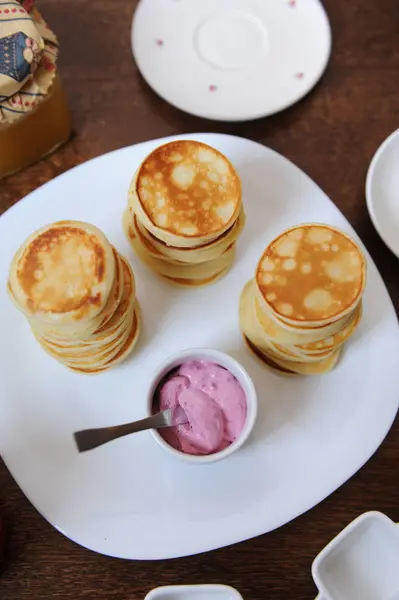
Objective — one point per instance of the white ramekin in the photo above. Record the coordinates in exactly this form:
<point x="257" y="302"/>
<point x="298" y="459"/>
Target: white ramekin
<point x="229" y="363"/>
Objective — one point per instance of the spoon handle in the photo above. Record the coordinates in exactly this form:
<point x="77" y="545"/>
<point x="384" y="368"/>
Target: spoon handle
<point x="88" y="439"/>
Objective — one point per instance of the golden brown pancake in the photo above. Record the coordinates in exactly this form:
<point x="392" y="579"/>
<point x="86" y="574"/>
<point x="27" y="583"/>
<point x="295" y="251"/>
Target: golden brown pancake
<point x="311" y="275"/>
<point x="261" y="331"/>
<point x="186" y="193"/>
<point x="339" y="338"/>
<point x="262" y="347"/>
<point x="185" y="213"/>
<point x="300" y="358"/>
<point x="117" y="291"/>
<point x="101" y="356"/>
<point x="127" y="300"/>
<point x="197" y="254"/>
<point x="63" y="273"/>
<point x="124" y="352"/>
<point x="179" y="282"/>
<point x="105" y="326"/>
<point x="319" y="368"/>
<point x="180" y="270"/>
<point x="60" y="268"/>
<point x="108" y="339"/>
<point x="265" y="359"/>
<point x="282" y="333"/>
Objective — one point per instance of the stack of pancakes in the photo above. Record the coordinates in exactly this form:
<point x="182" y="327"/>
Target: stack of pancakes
<point x="78" y="295"/>
<point x="305" y="300"/>
<point x="184" y="213"/>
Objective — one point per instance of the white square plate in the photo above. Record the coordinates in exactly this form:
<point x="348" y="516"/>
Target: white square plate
<point x="129" y="498"/>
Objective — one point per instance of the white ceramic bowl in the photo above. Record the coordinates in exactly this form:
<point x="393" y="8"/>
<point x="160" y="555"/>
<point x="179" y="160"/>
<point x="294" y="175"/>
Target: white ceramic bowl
<point x="229" y="363"/>
<point x="382" y="191"/>
<point x="361" y="562"/>
<point x="194" y="592"/>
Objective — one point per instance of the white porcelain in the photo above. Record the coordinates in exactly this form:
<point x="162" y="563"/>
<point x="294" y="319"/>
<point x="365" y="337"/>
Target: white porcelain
<point x="229" y="363"/>
<point x="311" y="433"/>
<point x="194" y="592"/>
<point x="361" y="562"/>
<point x="231" y="60"/>
<point x="382" y="191"/>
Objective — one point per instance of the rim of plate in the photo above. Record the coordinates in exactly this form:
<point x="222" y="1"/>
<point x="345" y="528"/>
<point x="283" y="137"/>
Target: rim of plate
<point x="369" y="195"/>
<point x="238" y="117"/>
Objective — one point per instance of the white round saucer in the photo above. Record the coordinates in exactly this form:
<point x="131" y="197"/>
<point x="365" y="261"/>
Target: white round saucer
<point x="382" y="191"/>
<point x="231" y="60"/>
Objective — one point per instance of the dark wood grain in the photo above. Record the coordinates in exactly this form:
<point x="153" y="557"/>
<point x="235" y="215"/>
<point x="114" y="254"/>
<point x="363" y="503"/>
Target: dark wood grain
<point x="332" y="135"/>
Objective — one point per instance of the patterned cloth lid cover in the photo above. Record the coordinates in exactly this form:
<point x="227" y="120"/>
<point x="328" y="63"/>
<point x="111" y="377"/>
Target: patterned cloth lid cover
<point x="28" y="55"/>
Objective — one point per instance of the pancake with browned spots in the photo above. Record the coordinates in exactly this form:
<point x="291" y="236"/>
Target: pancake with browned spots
<point x="78" y="294"/>
<point x="63" y="273"/>
<point x="186" y="193"/>
<point x="311" y="275"/>
<point x="305" y="301"/>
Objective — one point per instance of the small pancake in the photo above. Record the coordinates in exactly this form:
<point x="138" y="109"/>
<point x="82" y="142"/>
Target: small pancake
<point x="108" y="337"/>
<point x="180" y="270"/>
<point x="55" y="275"/>
<point x="116" y="293"/>
<point x="81" y="352"/>
<point x="101" y="357"/>
<point x="249" y="323"/>
<point x="289" y="358"/>
<point x="197" y="254"/>
<point x="98" y="344"/>
<point x="63" y="273"/>
<point x="294" y="354"/>
<point x="96" y="357"/>
<point x="186" y="193"/>
<point x="178" y="282"/>
<point x="83" y="332"/>
<point x="127" y="300"/>
<point x="284" y="367"/>
<point x="253" y="330"/>
<point x="320" y="367"/>
<point x="124" y="352"/>
<point x="311" y="274"/>
<point x="339" y="338"/>
<point x="282" y="333"/>
<point x="266" y="360"/>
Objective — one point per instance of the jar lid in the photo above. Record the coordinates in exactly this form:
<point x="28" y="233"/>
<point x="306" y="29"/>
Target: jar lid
<point x="28" y="55"/>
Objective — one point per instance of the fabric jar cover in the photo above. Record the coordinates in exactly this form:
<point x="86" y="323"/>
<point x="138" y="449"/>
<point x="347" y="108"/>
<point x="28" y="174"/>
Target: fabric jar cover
<point x="28" y="55"/>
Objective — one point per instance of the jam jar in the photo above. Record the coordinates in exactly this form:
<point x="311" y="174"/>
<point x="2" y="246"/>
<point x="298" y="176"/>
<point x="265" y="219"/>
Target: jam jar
<point x="34" y="116"/>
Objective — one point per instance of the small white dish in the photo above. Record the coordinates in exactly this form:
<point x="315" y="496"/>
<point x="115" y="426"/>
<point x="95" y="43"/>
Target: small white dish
<point x="194" y="592"/>
<point x="361" y="562"/>
<point x="231" y="60"/>
<point x="229" y="363"/>
<point x="382" y="191"/>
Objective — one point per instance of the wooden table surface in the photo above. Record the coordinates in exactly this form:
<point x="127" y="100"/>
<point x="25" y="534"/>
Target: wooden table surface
<point x="332" y="135"/>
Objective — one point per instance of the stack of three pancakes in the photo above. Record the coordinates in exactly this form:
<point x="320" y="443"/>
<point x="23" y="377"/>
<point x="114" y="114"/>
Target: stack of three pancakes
<point x="184" y="213"/>
<point x="78" y="295"/>
<point x="305" y="300"/>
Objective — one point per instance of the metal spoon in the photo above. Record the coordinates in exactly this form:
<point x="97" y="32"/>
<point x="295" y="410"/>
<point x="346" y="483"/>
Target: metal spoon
<point x="92" y="438"/>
